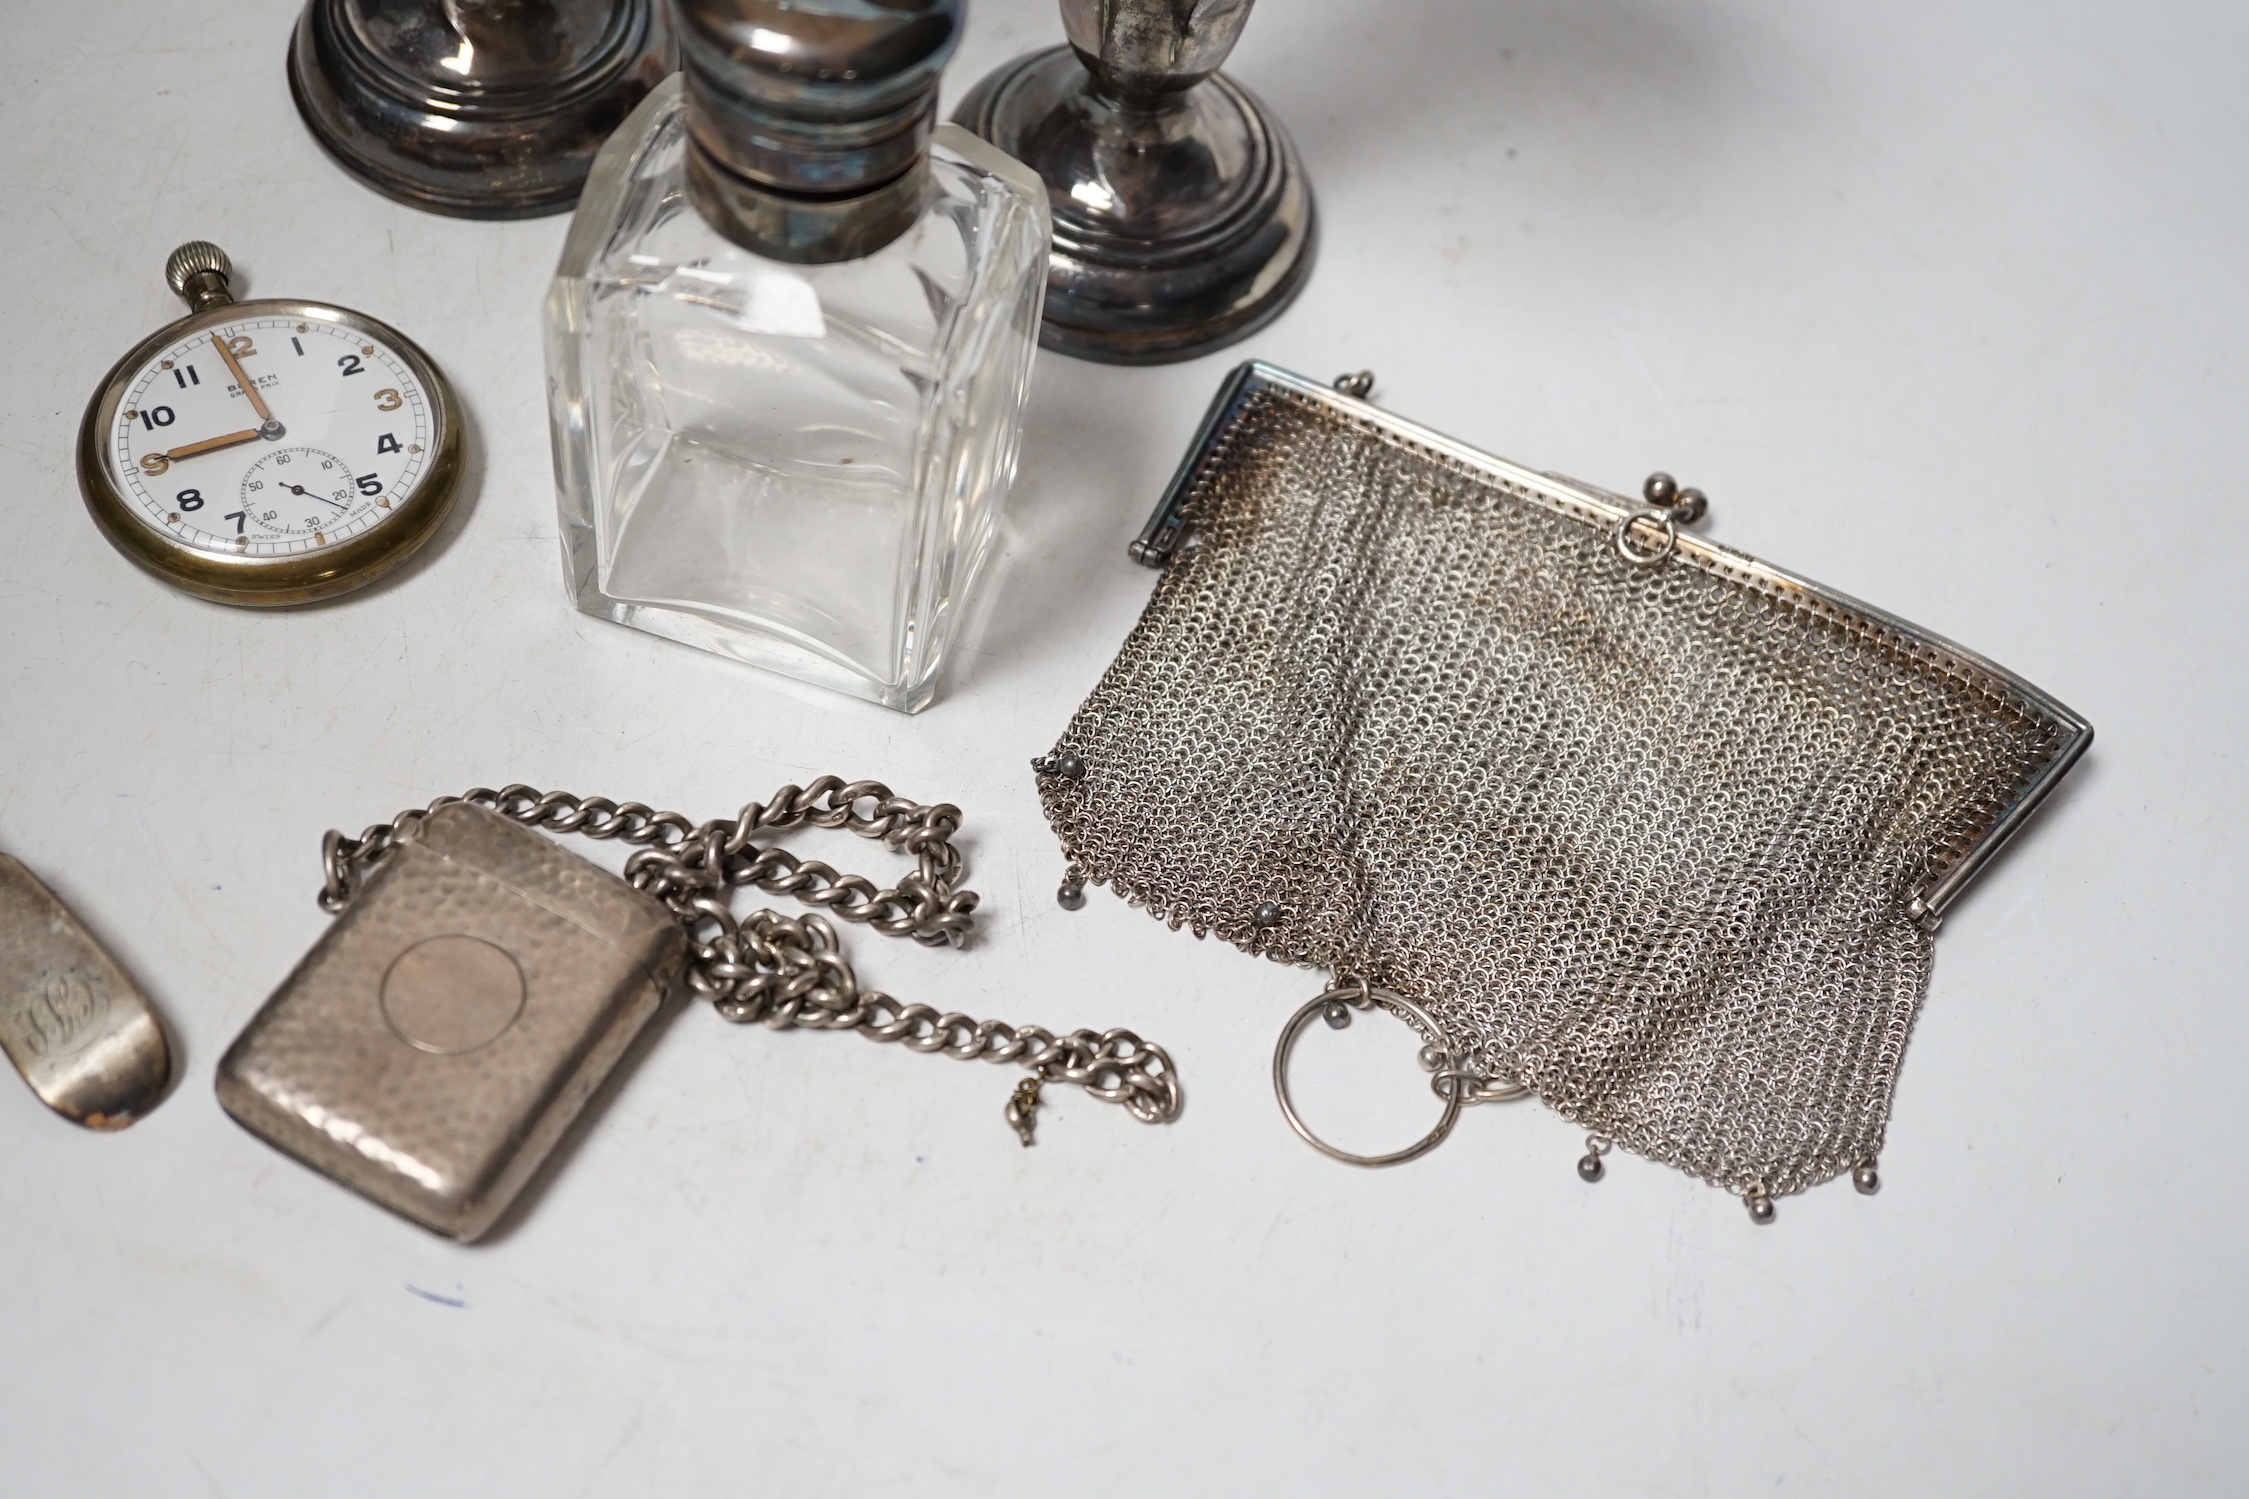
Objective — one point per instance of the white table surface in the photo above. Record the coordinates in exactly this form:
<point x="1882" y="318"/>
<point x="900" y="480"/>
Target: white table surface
<point x="1944" y="305"/>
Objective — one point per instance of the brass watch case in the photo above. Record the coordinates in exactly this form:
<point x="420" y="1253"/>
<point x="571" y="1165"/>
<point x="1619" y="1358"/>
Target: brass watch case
<point x="273" y="582"/>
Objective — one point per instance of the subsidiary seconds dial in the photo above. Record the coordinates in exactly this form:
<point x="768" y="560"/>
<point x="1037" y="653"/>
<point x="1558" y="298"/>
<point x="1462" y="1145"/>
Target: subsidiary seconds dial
<point x="302" y="492"/>
<point x="269" y="452"/>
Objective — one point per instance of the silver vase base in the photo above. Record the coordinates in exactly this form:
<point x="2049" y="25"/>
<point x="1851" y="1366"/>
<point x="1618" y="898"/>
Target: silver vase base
<point x="1182" y="221"/>
<point x="491" y="110"/>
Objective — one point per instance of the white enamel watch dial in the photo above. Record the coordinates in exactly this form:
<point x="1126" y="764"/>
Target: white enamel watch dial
<point x="340" y="433"/>
<point x="269" y="452"/>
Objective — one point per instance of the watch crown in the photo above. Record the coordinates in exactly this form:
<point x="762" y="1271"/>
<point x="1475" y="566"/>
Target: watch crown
<point x="199" y="271"/>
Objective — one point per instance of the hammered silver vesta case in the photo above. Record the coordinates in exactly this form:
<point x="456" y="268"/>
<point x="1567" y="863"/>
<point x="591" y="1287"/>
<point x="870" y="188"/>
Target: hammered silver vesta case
<point x="446" y="1030"/>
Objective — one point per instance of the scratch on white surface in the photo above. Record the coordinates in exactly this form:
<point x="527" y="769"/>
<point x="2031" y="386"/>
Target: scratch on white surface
<point x="1656" y="387"/>
<point x="71" y="230"/>
<point x="127" y="625"/>
<point x="329" y="1315"/>
<point x="615" y="1449"/>
<point x="204" y="1473"/>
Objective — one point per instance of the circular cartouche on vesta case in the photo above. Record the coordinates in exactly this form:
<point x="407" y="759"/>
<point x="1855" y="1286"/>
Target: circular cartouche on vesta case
<point x="452" y="994"/>
<point x="268" y="452"/>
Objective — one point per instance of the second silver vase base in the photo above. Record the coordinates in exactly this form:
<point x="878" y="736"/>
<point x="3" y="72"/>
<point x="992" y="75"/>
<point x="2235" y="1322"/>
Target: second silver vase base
<point x="1180" y="225"/>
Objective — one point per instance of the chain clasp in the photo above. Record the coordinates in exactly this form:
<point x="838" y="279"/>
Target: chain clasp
<point x="1022" y="1108"/>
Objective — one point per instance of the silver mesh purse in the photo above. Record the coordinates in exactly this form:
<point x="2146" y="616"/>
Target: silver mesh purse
<point x="1612" y="814"/>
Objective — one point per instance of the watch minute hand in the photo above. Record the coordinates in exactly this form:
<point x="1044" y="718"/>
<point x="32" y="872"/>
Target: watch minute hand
<point x="257" y="402"/>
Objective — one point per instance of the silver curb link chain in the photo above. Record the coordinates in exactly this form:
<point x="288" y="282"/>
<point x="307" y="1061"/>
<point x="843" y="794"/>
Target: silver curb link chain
<point x="787" y="971"/>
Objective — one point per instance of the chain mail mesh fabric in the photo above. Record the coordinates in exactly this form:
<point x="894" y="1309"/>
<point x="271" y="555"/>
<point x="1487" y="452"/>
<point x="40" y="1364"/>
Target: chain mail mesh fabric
<point x="1643" y="839"/>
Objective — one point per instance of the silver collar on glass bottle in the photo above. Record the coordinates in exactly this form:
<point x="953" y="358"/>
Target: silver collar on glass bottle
<point x="809" y="120"/>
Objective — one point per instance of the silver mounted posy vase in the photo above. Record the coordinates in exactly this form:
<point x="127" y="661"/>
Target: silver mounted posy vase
<point x="1182" y="217"/>
<point x="484" y="109"/>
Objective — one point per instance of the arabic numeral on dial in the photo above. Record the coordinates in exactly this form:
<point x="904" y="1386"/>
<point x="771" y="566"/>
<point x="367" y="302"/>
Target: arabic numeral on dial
<point x="388" y="400"/>
<point x="369" y="484"/>
<point x="281" y="458"/>
<point x="189" y="499"/>
<point x="386" y="444"/>
<point x="349" y="364"/>
<point x="300" y="348"/>
<point x="185" y="376"/>
<point x="157" y="416"/>
<point x="241" y="347"/>
<point x="238" y="517"/>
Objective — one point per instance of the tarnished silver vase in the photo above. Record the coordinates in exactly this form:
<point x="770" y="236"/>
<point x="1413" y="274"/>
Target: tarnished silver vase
<point x="1182" y="217"/>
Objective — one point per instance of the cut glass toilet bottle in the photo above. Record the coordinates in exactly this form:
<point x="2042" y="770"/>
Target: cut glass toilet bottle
<point x="788" y="346"/>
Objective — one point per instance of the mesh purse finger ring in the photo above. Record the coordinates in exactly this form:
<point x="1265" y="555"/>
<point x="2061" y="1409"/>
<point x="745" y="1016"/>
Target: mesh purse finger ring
<point x="1610" y="814"/>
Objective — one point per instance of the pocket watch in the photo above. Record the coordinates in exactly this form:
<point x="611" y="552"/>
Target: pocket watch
<point x="268" y="452"/>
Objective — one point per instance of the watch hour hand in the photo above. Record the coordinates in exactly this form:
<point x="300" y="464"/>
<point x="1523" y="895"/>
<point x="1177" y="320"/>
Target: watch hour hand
<point x="155" y="463"/>
<point x="272" y="428"/>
